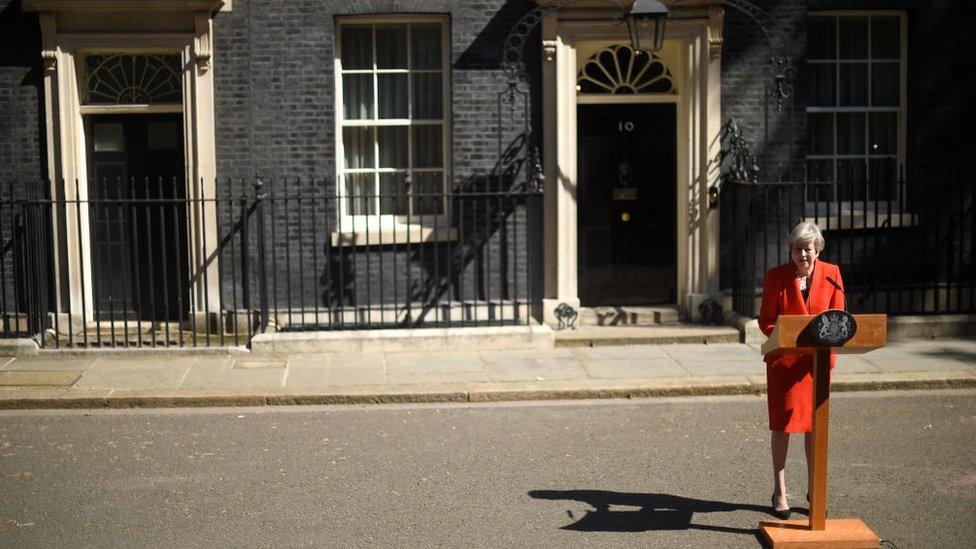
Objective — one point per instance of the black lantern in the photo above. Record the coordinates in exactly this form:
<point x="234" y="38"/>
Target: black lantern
<point x="646" y="23"/>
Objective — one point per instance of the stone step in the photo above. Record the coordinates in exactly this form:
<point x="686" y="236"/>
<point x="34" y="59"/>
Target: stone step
<point x="629" y="316"/>
<point x="597" y="336"/>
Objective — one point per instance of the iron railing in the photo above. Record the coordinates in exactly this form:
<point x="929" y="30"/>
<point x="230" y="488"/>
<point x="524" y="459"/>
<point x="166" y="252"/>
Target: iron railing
<point x="159" y="263"/>
<point x="904" y="247"/>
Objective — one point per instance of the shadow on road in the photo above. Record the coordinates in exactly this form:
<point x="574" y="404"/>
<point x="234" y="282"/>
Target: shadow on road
<point x="623" y="512"/>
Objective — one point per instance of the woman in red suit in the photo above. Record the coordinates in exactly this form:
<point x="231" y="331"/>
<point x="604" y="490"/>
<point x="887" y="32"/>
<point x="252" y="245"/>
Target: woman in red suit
<point x="804" y="286"/>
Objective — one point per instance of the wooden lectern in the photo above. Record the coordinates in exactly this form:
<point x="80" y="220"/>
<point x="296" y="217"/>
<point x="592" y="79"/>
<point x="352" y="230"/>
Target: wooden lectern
<point x="796" y="333"/>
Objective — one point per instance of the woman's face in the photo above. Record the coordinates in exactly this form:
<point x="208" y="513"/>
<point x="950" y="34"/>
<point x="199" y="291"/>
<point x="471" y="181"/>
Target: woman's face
<point x="804" y="256"/>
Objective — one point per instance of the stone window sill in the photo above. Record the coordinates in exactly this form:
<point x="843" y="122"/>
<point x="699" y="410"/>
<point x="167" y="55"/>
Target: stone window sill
<point x="396" y="236"/>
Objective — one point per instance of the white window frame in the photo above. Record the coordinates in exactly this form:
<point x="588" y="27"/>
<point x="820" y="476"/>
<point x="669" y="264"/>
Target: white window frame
<point x="386" y="227"/>
<point x="852" y="208"/>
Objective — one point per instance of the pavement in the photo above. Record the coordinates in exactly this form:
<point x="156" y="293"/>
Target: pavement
<point x="236" y="378"/>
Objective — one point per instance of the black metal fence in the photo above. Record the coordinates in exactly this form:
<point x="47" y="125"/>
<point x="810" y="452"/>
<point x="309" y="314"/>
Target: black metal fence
<point x="160" y="263"/>
<point x="904" y="247"/>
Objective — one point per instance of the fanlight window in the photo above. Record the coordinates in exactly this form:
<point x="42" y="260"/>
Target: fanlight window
<point x="133" y="79"/>
<point x="618" y="70"/>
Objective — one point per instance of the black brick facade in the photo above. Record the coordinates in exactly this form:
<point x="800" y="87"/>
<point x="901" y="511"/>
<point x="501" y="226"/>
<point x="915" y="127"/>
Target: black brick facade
<point x="22" y="155"/>
<point x="274" y="101"/>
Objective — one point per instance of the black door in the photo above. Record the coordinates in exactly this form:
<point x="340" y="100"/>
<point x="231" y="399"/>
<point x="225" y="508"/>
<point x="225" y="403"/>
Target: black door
<point x="626" y="201"/>
<point x="139" y="242"/>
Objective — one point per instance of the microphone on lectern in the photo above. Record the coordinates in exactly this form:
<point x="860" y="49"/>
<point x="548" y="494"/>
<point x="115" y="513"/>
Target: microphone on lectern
<point x="839" y="289"/>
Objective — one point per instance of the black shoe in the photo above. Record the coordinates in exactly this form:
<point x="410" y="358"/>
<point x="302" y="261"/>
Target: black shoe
<point x="782" y="514"/>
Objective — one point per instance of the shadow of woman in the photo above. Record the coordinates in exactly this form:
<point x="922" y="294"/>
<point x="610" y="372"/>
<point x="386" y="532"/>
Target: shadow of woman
<point x="643" y="512"/>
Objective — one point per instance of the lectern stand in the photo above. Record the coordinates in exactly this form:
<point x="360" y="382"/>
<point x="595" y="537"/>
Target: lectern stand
<point x="797" y="333"/>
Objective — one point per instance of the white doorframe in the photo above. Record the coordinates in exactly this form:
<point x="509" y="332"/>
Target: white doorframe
<point x="695" y="43"/>
<point x="63" y="49"/>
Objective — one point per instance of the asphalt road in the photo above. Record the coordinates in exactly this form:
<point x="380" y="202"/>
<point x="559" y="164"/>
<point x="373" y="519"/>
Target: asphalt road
<point x="659" y="473"/>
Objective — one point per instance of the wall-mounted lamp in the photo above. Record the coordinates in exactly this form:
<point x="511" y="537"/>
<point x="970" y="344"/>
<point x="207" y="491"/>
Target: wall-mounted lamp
<point x="646" y="20"/>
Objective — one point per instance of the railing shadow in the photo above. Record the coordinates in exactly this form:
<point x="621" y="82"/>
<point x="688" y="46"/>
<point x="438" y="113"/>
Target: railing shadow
<point x="478" y="217"/>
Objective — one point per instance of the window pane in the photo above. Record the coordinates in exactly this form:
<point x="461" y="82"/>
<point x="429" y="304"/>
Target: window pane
<point x="822" y="85"/>
<point x="850" y="133"/>
<point x="428" y="193"/>
<point x="883" y="133"/>
<point x="391" y="46"/>
<point x="357" y="143"/>
<point x="425" y="44"/>
<point x="820" y="133"/>
<point x="853" y="37"/>
<point x="108" y="137"/>
<point x="393" y="194"/>
<point x="392" y="142"/>
<point x="357" y="96"/>
<point x="392" y="90"/>
<point x="883" y="174"/>
<point x="427" y="147"/>
<point x="357" y="47"/>
<point x="427" y="96"/>
<point x="821" y="38"/>
<point x="885" y="84"/>
<point x="885" y="38"/>
<point x="853" y="85"/>
<point x="851" y="175"/>
<point x="360" y="193"/>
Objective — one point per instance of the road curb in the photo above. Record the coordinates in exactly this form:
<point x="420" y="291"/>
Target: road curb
<point x="46" y="398"/>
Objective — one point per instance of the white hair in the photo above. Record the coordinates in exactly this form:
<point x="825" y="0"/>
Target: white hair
<point x="805" y="233"/>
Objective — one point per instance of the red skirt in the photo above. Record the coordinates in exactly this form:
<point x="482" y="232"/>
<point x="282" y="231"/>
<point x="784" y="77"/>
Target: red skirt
<point x="789" y="392"/>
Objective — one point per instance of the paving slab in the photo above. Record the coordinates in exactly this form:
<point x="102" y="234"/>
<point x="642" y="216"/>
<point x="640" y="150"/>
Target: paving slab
<point x="226" y="374"/>
<point x="503" y="355"/>
<point x="958" y="349"/>
<point x="724" y="367"/>
<point x="432" y="363"/>
<point x="57" y="378"/>
<point x="854" y="364"/>
<point x="639" y="369"/>
<point x="947" y="379"/>
<point x="597" y="336"/>
<point x="918" y="364"/>
<point x="134" y="379"/>
<point x="623" y="352"/>
<point x="130" y="373"/>
<point x="342" y="370"/>
<point x="4" y="361"/>
<point x="405" y="378"/>
<point x="50" y="363"/>
<point x="713" y="352"/>
<point x="534" y="369"/>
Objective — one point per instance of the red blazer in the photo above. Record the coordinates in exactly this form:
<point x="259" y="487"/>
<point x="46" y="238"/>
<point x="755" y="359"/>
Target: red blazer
<point x="782" y="296"/>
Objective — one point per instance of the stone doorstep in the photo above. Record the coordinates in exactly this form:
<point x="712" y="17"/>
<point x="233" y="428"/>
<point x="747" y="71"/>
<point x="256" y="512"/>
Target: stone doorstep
<point x="629" y="315"/>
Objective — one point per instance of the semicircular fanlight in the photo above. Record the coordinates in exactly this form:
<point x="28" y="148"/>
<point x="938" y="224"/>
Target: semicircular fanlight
<point x="133" y="79"/>
<point x="619" y="70"/>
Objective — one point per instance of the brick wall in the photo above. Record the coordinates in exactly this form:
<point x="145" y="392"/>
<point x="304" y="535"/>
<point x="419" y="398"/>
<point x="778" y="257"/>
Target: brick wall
<point x="941" y="45"/>
<point x="275" y="108"/>
<point x="940" y="48"/>
<point x="21" y="96"/>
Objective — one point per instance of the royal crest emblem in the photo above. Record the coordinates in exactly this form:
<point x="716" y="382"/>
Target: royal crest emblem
<point x="833" y="328"/>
